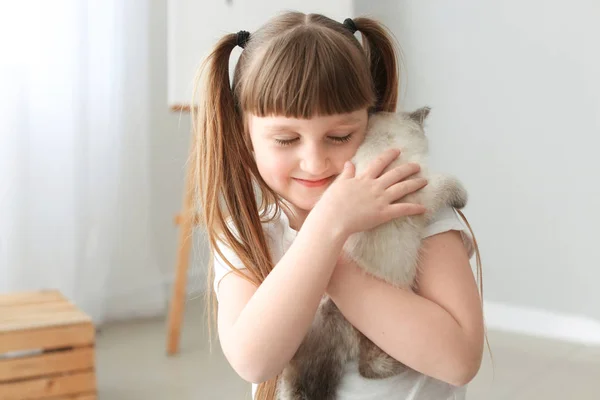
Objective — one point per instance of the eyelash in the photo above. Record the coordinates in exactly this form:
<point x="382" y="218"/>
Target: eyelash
<point x="337" y="139"/>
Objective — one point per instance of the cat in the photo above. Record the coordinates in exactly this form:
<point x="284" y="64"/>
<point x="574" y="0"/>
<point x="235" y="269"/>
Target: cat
<point x="390" y="252"/>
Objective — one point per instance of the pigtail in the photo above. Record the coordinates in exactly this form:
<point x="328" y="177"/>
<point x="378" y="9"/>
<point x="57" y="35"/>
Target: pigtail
<point x="225" y="193"/>
<point x="225" y="171"/>
<point x="383" y="59"/>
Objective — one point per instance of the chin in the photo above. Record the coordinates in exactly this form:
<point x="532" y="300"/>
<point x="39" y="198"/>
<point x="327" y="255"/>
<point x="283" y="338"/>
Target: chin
<point x="308" y="204"/>
<point x="303" y="205"/>
<point x="303" y="199"/>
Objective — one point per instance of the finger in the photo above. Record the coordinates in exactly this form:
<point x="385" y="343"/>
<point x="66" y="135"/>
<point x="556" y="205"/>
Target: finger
<point x="399" y="190"/>
<point x="404" y="210"/>
<point x="349" y="170"/>
<point x="376" y="167"/>
<point x="398" y="174"/>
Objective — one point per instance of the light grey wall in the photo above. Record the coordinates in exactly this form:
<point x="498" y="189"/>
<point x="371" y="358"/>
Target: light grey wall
<point x="515" y="96"/>
<point x="516" y="114"/>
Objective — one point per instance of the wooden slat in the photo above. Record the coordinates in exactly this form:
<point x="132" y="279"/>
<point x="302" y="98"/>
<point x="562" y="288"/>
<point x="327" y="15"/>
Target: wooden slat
<point x="77" y="335"/>
<point x="37" y="308"/>
<point x="23" y="311"/>
<point x="47" y="364"/>
<point x="28" y="315"/>
<point x="80" y="396"/>
<point x="61" y="320"/>
<point x="37" y="297"/>
<point x="181" y="107"/>
<point x="57" y="319"/>
<point x="48" y="387"/>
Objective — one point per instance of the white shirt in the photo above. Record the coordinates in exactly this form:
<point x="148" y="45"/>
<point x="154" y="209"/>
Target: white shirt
<point x="409" y="385"/>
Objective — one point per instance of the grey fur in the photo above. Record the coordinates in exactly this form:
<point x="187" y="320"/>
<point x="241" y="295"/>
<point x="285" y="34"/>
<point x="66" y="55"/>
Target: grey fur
<point x="390" y="252"/>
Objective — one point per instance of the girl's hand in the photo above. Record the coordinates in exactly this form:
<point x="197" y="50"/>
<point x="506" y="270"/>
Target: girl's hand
<point x="365" y="201"/>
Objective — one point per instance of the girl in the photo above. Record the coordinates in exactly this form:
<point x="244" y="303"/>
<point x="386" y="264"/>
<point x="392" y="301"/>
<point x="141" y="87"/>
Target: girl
<point x="279" y="198"/>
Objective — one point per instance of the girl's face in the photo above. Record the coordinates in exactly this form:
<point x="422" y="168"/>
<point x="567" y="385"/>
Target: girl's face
<point x="299" y="158"/>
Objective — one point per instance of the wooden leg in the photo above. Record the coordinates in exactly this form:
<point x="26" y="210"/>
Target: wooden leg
<point x="185" y="221"/>
<point x="176" y="307"/>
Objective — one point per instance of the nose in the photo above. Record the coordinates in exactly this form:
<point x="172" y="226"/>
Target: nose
<point x="315" y="161"/>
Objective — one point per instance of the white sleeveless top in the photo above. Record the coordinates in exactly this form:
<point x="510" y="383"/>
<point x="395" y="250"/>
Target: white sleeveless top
<point x="409" y="385"/>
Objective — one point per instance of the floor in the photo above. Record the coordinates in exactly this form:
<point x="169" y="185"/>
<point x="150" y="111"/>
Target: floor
<point x="132" y="364"/>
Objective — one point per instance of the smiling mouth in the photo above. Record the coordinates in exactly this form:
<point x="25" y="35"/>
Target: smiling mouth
<point x="317" y="183"/>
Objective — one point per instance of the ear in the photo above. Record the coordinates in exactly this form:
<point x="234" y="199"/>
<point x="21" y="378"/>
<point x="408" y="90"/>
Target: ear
<point x="419" y="115"/>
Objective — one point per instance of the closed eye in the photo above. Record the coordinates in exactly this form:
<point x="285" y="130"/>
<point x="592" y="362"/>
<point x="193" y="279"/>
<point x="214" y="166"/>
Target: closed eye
<point x="285" y="142"/>
<point x="341" y="139"/>
<point x="337" y="139"/>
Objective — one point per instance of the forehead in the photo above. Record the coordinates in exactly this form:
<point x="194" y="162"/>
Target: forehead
<point x="318" y="123"/>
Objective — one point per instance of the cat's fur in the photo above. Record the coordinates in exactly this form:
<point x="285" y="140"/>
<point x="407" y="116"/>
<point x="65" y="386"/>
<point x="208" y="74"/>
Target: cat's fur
<point x="390" y="252"/>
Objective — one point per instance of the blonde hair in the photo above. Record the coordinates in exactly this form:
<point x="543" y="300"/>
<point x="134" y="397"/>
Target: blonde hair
<point x="297" y="65"/>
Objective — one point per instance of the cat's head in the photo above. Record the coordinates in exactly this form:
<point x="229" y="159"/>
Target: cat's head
<point x="418" y="116"/>
<point x="406" y="128"/>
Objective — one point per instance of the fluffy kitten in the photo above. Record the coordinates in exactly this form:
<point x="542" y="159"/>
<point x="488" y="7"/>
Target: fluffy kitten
<point x="389" y="252"/>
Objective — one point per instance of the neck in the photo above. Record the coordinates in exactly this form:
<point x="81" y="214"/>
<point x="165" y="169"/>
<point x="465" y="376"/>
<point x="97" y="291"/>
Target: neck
<point x="295" y="215"/>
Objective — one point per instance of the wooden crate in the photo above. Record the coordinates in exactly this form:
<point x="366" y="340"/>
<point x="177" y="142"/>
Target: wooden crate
<point x="46" y="348"/>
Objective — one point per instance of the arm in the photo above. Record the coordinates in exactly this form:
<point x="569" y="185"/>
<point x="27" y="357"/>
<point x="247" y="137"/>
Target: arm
<point x="259" y="335"/>
<point x="260" y="329"/>
<point x="439" y="331"/>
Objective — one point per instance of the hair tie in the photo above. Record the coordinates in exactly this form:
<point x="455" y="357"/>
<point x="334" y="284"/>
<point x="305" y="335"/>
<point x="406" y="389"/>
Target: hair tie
<point x="349" y="23"/>
<point x="242" y="38"/>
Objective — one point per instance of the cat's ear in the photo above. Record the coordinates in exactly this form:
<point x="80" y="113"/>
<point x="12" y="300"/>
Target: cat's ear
<point x="419" y="115"/>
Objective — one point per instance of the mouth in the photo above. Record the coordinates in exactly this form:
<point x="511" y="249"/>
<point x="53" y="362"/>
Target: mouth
<point x="314" y="183"/>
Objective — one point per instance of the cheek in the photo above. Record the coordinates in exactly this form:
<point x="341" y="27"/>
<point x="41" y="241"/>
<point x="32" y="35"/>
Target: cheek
<point x="346" y="154"/>
<point x="274" y="166"/>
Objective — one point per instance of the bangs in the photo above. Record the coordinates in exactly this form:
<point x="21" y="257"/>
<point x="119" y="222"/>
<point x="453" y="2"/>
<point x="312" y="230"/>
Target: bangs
<point x="305" y="73"/>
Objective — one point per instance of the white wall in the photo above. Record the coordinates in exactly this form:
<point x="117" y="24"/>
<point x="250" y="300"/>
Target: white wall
<point x="515" y="95"/>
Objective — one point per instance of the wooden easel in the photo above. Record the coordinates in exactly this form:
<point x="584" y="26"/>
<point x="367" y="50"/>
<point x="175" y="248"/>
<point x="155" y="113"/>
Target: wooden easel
<point x="186" y="221"/>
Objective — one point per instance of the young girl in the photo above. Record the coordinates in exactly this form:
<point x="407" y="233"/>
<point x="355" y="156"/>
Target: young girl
<point x="279" y="198"/>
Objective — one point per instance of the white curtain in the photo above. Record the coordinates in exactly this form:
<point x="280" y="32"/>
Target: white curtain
<point x="74" y="164"/>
